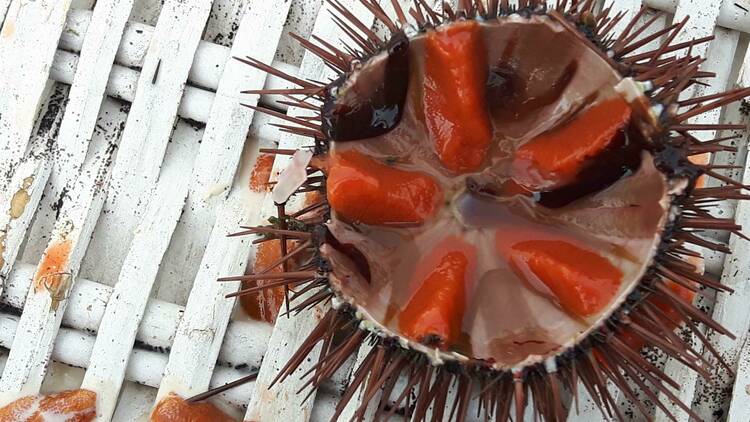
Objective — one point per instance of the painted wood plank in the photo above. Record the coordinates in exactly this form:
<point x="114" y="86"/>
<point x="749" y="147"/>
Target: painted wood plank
<point x="87" y="304"/>
<point x="720" y="57"/>
<point x="225" y="136"/>
<point x="123" y="82"/>
<point x="730" y="310"/>
<point x="281" y="402"/>
<point x="732" y="15"/>
<point x="26" y="187"/>
<point x="630" y="7"/>
<point x="74" y="347"/>
<point x="28" y="40"/>
<point x="207" y="312"/>
<point x="205" y="73"/>
<point x="740" y="402"/>
<point x="194" y="353"/>
<point x="4" y="5"/>
<point x="148" y="129"/>
<point x="86" y="94"/>
<point x="55" y="275"/>
<point x="703" y="15"/>
<point x="127" y="304"/>
<point x="111" y="116"/>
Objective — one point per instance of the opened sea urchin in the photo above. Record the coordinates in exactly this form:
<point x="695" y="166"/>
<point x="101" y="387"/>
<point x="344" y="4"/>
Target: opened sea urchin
<point x="508" y="201"/>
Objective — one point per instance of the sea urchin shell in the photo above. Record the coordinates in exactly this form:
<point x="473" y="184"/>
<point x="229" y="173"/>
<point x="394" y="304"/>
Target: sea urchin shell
<point x="505" y="206"/>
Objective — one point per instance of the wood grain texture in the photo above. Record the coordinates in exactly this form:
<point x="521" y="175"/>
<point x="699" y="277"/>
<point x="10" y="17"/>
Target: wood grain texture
<point x="126" y="306"/>
<point x="20" y="203"/>
<point x="45" y="305"/>
<point x="148" y="129"/>
<point x="28" y="40"/>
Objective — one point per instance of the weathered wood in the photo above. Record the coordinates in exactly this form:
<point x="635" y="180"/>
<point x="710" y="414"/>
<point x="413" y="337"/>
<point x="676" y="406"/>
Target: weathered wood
<point x="117" y="332"/>
<point x="86" y="93"/>
<point x="201" y="332"/>
<point x="244" y="343"/>
<point x="720" y="57"/>
<point x="730" y="310"/>
<point x="54" y="277"/>
<point x="25" y="189"/>
<point x="75" y="348"/>
<point x="27" y="45"/>
<point x="225" y="136"/>
<point x="148" y="129"/>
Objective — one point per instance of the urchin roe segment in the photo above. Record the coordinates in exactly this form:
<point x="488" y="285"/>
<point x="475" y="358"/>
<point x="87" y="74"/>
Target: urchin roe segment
<point x="175" y="409"/>
<point x="455" y="112"/>
<point x="72" y="405"/>
<point x="524" y="254"/>
<point x="363" y="189"/>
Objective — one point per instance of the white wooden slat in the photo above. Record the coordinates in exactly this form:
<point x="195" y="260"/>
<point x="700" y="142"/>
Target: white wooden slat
<point x="4" y="5"/>
<point x="224" y="138"/>
<point x="45" y="305"/>
<point x="630" y="7"/>
<point x="127" y="304"/>
<point x="207" y="312"/>
<point x="86" y="93"/>
<point x="89" y="78"/>
<point x="730" y="310"/>
<point x="351" y="408"/>
<point x="587" y="409"/>
<point x="24" y="190"/>
<point x="732" y="15"/>
<point x="281" y="402"/>
<point x="88" y="300"/>
<point x="108" y="124"/>
<point x="148" y="128"/>
<point x="204" y="76"/>
<point x="74" y="347"/>
<point x="27" y="44"/>
<point x="740" y="402"/>
<point x="123" y="82"/>
<point x="194" y="353"/>
<point x="720" y="58"/>
<point x="703" y="15"/>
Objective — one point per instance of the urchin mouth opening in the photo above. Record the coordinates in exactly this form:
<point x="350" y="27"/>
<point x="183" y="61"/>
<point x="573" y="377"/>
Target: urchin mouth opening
<point x="645" y="314"/>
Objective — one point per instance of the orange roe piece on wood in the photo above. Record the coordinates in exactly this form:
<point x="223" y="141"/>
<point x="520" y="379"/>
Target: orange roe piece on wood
<point x="71" y="406"/>
<point x="174" y="409"/>
<point x="54" y="264"/>
<point x="262" y="173"/>
<point x="556" y="157"/>
<point x="436" y="309"/>
<point x="454" y="95"/>
<point x="363" y="190"/>
<point x="264" y="305"/>
<point x="583" y="282"/>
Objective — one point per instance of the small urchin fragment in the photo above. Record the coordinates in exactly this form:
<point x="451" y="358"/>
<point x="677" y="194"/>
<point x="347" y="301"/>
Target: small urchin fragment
<point x="505" y="203"/>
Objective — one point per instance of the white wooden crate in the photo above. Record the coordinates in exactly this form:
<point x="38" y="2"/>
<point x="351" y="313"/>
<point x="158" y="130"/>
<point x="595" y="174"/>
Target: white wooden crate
<point x="171" y="133"/>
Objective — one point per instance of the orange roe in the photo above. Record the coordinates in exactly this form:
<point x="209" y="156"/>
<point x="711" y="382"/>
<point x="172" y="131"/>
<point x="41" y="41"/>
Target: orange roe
<point x="454" y="96"/>
<point x="582" y="290"/>
<point x="264" y="305"/>
<point x="438" y="305"/>
<point x="54" y="262"/>
<point x="174" y="409"/>
<point x="262" y="173"/>
<point x="363" y="190"/>
<point x="555" y="158"/>
<point x="71" y="406"/>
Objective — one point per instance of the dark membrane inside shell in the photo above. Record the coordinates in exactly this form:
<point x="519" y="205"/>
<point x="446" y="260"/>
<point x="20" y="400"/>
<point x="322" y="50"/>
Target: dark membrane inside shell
<point x="502" y="259"/>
